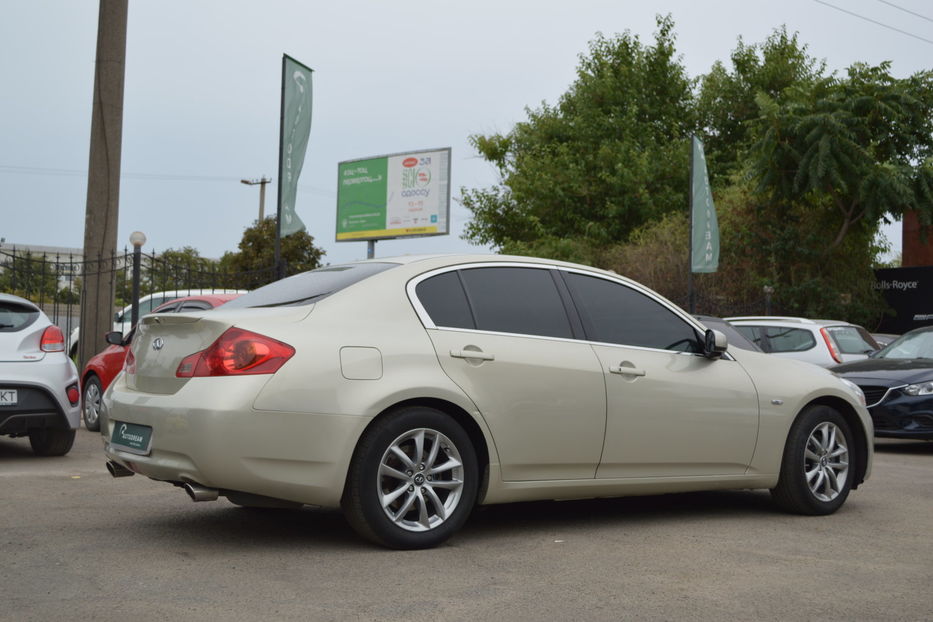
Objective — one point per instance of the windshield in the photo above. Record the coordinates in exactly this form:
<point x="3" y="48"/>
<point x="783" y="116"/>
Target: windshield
<point x="918" y="345"/>
<point x="308" y="287"/>
<point x="15" y="317"/>
<point x="852" y="339"/>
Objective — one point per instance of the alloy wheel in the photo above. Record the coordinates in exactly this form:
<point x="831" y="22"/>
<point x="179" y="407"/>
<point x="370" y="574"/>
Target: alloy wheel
<point x="420" y="480"/>
<point x="826" y="461"/>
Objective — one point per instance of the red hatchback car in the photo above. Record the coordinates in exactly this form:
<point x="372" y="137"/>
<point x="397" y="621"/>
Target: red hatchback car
<point x="104" y="366"/>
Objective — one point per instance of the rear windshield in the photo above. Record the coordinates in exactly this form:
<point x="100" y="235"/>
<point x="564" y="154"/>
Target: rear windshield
<point x="852" y="339"/>
<point x="308" y="287"/>
<point x="15" y="317"/>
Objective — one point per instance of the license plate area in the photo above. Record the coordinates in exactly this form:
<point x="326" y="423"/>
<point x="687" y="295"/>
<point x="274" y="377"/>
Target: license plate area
<point x="8" y="397"/>
<point x="132" y="438"/>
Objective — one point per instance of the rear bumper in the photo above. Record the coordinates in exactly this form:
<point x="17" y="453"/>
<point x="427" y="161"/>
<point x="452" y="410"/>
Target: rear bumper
<point x="208" y="433"/>
<point x="41" y="402"/>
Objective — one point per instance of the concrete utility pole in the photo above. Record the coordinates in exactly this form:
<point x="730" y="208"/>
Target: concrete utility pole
<point x="261" y="182"/>
<point x="103" y="179"/>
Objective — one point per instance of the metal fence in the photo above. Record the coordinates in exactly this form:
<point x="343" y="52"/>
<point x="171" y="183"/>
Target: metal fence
<point x="55" y="282"/>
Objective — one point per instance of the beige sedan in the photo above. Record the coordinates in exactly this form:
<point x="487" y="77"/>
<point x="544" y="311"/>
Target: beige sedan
<point x="408" y="390"/>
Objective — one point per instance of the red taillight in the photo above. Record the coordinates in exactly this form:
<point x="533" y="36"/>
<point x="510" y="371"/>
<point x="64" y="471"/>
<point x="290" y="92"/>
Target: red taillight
<point x="129" y="363"/>
<point x="236" y="352"/>
<point x="73" y="394"/>
<point x="832" y="346"/>
<point x="52" y="340"/>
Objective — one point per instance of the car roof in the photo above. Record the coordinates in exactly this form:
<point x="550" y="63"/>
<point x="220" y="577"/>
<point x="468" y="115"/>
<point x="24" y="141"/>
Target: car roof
<point x="215" y="300"/>
<point x="18" y="300"/>
<point x="775" y="319"/>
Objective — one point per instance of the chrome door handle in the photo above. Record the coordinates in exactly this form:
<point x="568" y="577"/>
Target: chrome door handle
<point x="472" y="354"/>
<point x="626" y="371"/>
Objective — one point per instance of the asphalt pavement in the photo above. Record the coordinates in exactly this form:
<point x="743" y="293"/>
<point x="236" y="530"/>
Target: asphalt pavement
<point x="76" y="544"/>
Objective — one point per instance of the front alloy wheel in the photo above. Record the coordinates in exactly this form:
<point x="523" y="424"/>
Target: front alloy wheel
<point x="817" y="463"/>
<point x="413" y="479"/>
<point x="826" y="461"/>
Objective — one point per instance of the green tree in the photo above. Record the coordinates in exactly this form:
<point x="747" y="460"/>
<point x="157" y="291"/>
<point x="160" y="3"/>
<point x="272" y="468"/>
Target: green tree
<point x="178" y="269"/>
<point x="256" y="254"/>
<point x="580" y="176"/>
<point x="727" y="99"/>
<point x="32" y="277"/>
<point x="859" y="147"/>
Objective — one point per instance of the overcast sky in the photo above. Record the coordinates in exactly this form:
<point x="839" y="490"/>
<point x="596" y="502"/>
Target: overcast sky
<point x="201" y="107"/>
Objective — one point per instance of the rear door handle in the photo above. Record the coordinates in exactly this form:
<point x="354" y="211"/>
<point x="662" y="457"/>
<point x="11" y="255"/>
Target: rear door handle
<point x="472" y="354"/>
<point x="626" y="371"/>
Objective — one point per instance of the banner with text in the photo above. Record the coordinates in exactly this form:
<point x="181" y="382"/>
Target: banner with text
<point x="394" y="196"/>
<point x="705" y="233"/>
<point x="295" y="131"/>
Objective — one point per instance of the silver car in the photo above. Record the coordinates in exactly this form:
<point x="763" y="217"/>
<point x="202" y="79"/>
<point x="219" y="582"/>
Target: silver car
<point x="408" y="390"/>
<point x="39" y="394"/>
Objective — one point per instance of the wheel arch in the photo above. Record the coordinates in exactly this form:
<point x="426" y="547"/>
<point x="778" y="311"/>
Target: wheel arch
<point x="455" y="412"/>
<point x="855" y="425"/>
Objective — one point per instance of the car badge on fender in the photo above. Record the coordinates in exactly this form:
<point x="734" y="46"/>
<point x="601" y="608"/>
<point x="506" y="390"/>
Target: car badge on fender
<point x="157" y="343"/>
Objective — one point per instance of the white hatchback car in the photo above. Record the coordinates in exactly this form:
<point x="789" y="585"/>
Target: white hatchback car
<point x="39" y="395"/>
<point x="822" y="342"/>
<point x="408" y="390"/>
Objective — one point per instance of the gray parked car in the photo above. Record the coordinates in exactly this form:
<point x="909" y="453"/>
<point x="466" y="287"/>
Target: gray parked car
<point x="39" y="394"/>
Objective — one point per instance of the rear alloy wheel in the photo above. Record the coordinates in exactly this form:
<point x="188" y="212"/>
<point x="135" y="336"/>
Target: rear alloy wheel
<point x="817" y="467"/>
<point x="90" y="403"/>
<point x="413" y="480"/>
<point x="51" y="441"/>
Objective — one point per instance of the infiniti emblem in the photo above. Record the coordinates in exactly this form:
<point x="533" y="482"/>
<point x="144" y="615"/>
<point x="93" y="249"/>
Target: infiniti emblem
<point x="157" y="343"/>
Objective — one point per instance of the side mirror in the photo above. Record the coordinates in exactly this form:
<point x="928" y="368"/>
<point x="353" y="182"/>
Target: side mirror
<point x="714" y="344"/>
<point x="115" y="338"/>
<point x="117" y="317"/>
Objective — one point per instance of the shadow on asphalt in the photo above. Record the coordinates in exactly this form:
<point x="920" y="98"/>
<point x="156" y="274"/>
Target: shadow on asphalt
<point x="222" y="524"/>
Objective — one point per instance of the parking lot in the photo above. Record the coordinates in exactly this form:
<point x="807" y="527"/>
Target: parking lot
<point x="77" y="544"/>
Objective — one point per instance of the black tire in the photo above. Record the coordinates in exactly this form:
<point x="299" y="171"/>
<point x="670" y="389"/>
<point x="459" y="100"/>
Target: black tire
<point x="830" y="480"/>
<point x="51" y="441"/>
<point x="439" y="494"/>
<point x="90" y="403"/>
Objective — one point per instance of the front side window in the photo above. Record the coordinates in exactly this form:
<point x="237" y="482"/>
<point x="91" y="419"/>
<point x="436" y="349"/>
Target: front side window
<point x="614" y="313"/>
<point x="516" y="300"/>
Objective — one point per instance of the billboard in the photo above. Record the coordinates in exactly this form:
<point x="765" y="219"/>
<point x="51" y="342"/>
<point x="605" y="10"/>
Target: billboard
<point x="394" y="196"/>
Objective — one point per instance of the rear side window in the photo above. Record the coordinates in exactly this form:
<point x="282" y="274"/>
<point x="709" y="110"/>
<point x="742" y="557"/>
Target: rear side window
<point x="15" y="317"/>
<point x="516" y="300"/>
<point x="789" y="339"/>
<point x="850" y="340"/>
<point x="614" y="313"/>
<point x="308" y="287"/>
<point x="442" y="296"/>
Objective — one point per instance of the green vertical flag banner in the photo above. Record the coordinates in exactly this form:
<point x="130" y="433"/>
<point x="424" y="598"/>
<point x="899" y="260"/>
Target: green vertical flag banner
<point x="705" y="228"/>
<point x="294" y="134"/>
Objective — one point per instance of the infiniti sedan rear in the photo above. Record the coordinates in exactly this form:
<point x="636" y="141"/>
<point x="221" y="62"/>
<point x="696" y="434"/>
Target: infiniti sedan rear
<point x="406" y="391"/>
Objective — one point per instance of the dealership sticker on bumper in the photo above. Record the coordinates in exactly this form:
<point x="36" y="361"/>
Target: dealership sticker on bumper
<point x="132" y="438"/>
<point x="8" y="397"/>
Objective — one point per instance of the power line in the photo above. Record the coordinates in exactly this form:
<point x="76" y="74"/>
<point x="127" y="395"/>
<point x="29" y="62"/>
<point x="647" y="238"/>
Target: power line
<point x="900" y="8"/>
<point x="68" y="172"/>
<point x="868" y="19"/>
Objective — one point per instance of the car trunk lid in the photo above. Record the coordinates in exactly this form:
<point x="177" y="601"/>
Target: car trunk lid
<point x="163" y="341"/>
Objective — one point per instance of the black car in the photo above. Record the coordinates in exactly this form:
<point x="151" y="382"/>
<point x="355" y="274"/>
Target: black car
<point x="898" y="385"/>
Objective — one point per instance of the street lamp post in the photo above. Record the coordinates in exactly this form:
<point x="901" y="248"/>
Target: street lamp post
<point x="137" y="239"/>
<point x="261" y="182"/>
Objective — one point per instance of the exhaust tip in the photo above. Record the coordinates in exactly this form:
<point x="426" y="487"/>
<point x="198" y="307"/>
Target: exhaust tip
<point x="118" y="470"/>
<point x="200" y="493"/>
